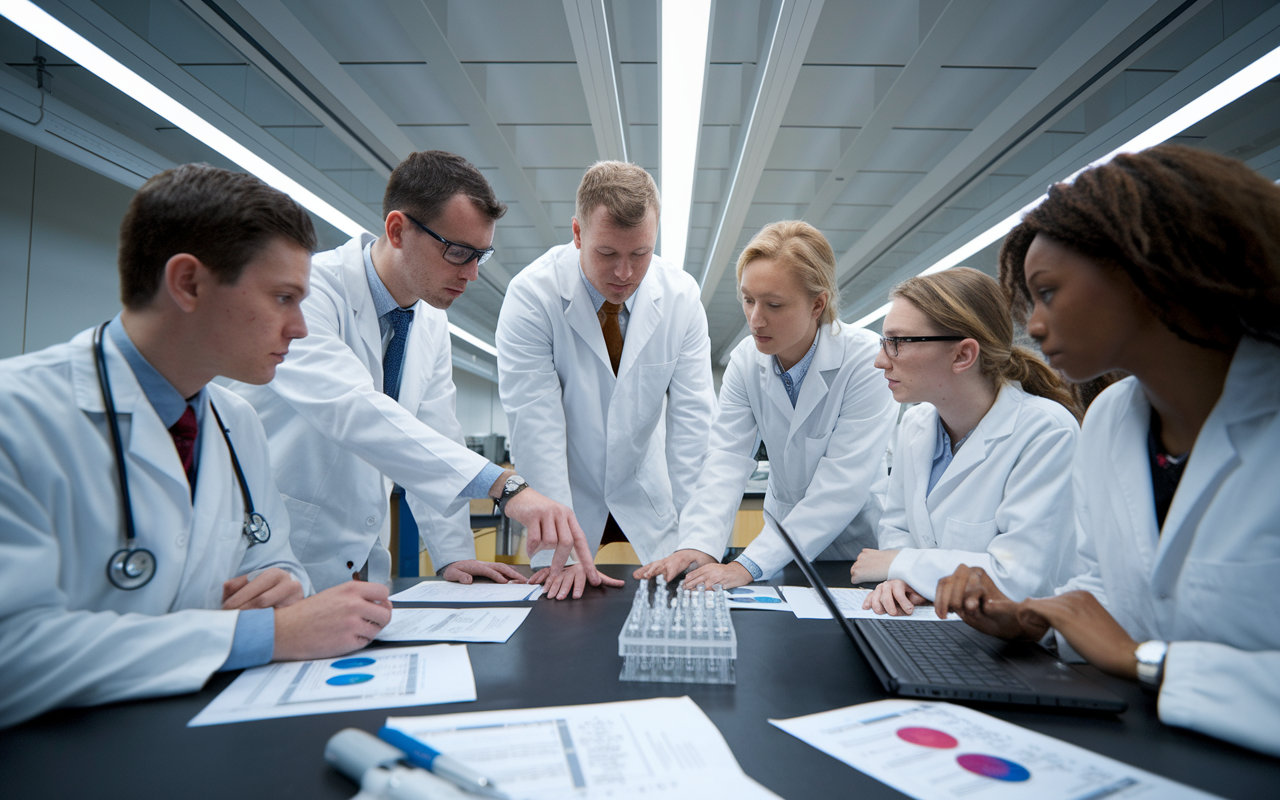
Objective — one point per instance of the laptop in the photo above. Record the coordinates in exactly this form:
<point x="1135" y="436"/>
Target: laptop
<point x="952" y="661"/>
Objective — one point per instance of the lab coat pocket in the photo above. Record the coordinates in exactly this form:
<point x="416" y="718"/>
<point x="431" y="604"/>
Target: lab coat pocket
<point x="1216" y="600"/>
<point x="972" y="536"/>
<point x="302" y="522"/>
<point x="652" y="388"/>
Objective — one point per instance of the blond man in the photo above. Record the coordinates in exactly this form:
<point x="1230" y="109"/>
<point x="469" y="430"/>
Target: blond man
<point x="604" y="369"/>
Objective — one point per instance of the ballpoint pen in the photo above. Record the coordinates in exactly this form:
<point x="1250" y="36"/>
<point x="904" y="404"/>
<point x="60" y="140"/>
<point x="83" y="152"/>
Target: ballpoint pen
<point x="421" y="755"/>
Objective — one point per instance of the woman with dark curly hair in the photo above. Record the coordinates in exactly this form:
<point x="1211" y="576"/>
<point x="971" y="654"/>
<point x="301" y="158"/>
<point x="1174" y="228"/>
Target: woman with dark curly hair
<point x="1164" y="264"/>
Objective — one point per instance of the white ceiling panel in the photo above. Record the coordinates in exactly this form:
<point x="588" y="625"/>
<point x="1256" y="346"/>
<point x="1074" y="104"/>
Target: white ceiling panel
<point x="535" y="93"/>
<point x="866" y="32"/>
<point x="837" y="96"/>
<point x="960" y="98"/>
<point x="407" y="92"/>
<point x="805" y="148"/>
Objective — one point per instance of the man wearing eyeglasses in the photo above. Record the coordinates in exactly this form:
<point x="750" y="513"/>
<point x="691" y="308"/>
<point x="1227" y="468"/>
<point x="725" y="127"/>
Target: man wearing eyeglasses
<point x="370" y="400"/>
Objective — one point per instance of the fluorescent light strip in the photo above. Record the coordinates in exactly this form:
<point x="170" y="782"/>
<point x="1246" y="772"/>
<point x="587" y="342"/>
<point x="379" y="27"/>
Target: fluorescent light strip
<point x="1225" y="93"/>
<point x="43" y="26"/>
<point x="685" y="24"/>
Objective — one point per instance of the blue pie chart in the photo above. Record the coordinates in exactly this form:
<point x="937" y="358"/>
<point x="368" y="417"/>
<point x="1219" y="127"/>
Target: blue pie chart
<point x="352" y="663"/>
<point x="349" y="679"/>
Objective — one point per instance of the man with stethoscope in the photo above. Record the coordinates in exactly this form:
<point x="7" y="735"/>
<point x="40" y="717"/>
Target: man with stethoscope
<point x="143" y="543"/>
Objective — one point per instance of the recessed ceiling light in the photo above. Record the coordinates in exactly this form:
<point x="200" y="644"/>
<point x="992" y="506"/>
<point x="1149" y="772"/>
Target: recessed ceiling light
<point x="685" y="25"/>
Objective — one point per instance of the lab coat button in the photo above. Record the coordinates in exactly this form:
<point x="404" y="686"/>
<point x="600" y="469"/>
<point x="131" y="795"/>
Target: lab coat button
<point x="371" y="521"/>
<point x="182" y="541"/>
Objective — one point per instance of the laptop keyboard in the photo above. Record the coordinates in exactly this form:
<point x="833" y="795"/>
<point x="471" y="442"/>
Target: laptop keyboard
<point x="947" y="659"/>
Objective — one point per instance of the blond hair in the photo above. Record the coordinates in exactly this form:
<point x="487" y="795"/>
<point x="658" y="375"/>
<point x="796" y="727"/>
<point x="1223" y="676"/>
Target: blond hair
<point x="807" y="255"/>
<point x="969" y="303"/>
<point x="626" y="190"/>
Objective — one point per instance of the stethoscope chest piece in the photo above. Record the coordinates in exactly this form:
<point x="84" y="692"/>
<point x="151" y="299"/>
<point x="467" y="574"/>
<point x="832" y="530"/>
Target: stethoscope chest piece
<point x="256" y="529"/>
<point x="131" y="568"/>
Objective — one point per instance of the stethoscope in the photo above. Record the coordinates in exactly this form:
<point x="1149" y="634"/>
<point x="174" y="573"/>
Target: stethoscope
<point x="133" y="567"/>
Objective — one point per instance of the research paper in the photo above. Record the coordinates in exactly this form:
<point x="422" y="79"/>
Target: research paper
<point x="756" y="598"/>
<point x="450" y="592"/>
<point x="388" y="677"/>
<point x="660" y="748"/>
<point x="453" y="624"/>
<point x="807" y="604"/>
<point x="940" y="751"/>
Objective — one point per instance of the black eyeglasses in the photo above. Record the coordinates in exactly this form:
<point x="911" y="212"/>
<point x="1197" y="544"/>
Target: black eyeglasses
<point x="890" y="343"/>
<point x="454" y="253"/>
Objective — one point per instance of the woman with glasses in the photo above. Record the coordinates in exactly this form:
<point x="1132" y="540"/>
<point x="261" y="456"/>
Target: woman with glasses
<point x="804" y="385"/>
<point x="1164" y="264"/>
<point x="982" y="466"/>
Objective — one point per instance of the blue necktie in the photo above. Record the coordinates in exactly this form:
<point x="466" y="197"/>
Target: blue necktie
<point x="392" y="361"/>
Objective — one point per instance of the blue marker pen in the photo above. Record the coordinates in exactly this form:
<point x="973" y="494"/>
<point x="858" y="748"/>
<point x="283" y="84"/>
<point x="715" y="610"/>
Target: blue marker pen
<point x="421" y="755"/>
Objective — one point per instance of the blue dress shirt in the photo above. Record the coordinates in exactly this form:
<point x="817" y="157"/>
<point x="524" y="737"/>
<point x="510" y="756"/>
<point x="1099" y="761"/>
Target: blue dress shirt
<point x="597" y="300"/>
<point x="943" y="453"/>
<point x="253" y="643"/>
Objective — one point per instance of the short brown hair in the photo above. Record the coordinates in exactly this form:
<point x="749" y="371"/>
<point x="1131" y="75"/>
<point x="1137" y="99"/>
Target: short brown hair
<point x="422" y="184"/>
<point x="1198" y="234"/>
<point x="966" y="302"/>
<point x="804" y="251"/>
<point x="626" y="190"/>
<point x="221" y="217"/>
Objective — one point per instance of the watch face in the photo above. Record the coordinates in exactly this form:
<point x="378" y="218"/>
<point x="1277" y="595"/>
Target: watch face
<point x="1151" y="652"/>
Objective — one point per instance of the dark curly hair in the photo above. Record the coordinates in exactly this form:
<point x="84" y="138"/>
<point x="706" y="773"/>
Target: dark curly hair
<point x="1196" y="232"/>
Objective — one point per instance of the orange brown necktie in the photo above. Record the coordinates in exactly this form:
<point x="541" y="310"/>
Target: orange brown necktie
<point x="608" y="315"/>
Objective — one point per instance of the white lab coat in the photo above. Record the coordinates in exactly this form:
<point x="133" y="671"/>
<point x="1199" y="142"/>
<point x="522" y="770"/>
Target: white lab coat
<point x="67" y="636"/>
<point x="597" y="442"/>
<point x="1003" y="503"/>
<point x="824" y="454"/>
<point x="1204" y="583"/>
<point x="337" y="441"/>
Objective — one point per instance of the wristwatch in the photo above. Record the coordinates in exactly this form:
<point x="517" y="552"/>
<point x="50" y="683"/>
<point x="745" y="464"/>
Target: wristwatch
<point x="514" y="486"/>
<point x="1150" y="657"/>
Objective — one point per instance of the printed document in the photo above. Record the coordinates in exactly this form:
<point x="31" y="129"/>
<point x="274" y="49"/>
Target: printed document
<point x="660" y="748"/>
<point x="807" y="604"/>
<point x="449" y="592"/>
<point x="453" y="624"/>
<point x="388" y="677"/>
<point x="940" y="751"/>
<point x="756" y="598"/>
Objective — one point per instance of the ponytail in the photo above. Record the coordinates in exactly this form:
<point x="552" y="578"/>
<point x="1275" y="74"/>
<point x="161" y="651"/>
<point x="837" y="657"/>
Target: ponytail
<point x="1037" y="378"/>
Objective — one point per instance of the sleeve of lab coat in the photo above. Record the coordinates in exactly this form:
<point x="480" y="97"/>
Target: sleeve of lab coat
<point x="52" y="656"/>
<point x="1033" y="521"/>
<point x="1223" y="692"/>
<point x="690" y="407"/>
<point x="894" y="533"/>
<point x="707" y="519"/>
<point x="447" y="536"/>
<point x="841" y="484"/>
<point x="324" y="381"/>
<point x="531" y="396"/>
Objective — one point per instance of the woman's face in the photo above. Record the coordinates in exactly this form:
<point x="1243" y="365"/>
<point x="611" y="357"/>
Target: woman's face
<point x="782" y="317"/>
<point x="1085" y="317"/>
<point x="921" y="372"/>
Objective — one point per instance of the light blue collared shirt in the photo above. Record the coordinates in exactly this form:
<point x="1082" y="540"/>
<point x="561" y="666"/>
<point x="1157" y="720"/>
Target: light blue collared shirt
<point x="383" y="305"/>
<point x="253" y="643"/>
<point x="943" y="454"/>
<point x="597" y="300"/>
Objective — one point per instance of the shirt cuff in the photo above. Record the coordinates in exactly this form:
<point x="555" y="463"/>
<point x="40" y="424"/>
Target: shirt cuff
<point x="254" y="642"/>
<point x="480" y="485"/>
<point x="756" y="572"/>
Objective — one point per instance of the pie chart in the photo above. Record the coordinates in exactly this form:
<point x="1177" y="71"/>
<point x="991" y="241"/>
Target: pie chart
<point x="1000" y="769"/>
<point x="927" y="737"/>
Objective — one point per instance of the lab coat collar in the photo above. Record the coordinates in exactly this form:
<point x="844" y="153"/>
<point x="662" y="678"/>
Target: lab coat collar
<point x="360" y="298"/>
<point x="998" y="423"/>
<point x="1252" y="390"/>
<point x="646" y="313"/>
<point x="828" y="358"/>
<point x="580" y="311"/>
<point x="143" y="435"/>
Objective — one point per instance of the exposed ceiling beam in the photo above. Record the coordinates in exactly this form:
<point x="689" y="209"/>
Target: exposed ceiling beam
<point x="589" y="29"/>
<point x="951" y="27"/>
<point x="431" y="42"/>
<point x="780" y="66"/>
<point x="277" y="42"/>
<point x="1115" y="36"/>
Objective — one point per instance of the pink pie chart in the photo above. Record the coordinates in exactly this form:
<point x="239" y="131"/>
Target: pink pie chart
<point x="1000" y="769"/>
<point x="927" y="737"/>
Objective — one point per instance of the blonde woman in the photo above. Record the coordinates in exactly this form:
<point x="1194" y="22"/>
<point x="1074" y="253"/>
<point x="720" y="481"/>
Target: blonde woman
<point x="982" y="466"/>
<point x="805" y="386"/>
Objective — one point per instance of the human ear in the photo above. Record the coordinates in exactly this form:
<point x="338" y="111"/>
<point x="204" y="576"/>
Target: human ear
<point x="183" y="275"/>
<point x="819" y="305"/>
<point x="967" y="353"/>
<point x="577" y="234"/>
<point x="394" y="228"/>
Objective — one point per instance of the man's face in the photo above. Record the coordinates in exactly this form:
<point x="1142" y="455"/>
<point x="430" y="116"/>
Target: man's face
<point x="251" y="322"/>
<point x="427" y="275"/>
<point x="615" y="259"/>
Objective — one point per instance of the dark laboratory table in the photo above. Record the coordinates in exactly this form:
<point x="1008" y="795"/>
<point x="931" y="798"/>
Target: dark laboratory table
<point x="566" y="653"/>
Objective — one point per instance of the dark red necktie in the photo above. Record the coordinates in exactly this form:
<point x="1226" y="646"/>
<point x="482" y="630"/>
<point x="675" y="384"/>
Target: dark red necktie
<point x="184" y="438"/>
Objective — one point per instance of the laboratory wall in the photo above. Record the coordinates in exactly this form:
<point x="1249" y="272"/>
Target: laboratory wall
<point x="479" y="409"/>
<point x="58" y="231"/>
